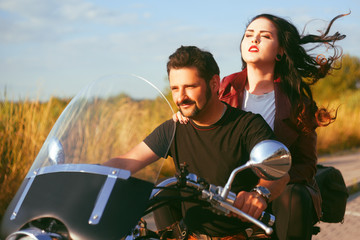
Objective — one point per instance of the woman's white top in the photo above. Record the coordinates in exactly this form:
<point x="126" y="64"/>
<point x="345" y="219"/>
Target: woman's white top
<point x="261" y="104"/>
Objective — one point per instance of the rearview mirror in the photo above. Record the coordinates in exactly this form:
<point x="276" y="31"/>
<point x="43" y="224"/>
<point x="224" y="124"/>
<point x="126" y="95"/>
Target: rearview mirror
<point x="269" y="159"/>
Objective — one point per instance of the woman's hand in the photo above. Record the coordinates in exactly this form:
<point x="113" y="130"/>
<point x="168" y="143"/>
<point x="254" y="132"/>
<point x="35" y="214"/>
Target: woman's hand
<point x="179" y="117"/>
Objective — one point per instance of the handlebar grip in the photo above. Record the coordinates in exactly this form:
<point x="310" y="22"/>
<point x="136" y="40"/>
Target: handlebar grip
<point x="267" y="219"/>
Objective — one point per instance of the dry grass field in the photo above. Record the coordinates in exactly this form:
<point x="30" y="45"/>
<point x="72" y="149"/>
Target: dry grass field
<point x="25" y="125"/>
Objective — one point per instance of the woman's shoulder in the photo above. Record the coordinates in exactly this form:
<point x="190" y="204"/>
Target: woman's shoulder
<point x="231" y="85"/>
<point x="238" y="76"/>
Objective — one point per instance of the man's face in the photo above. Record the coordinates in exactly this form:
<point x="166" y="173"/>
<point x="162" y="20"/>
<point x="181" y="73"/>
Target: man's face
<point x="190" y="92"/>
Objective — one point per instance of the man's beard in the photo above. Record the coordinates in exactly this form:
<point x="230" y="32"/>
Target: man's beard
<point x="193" y="113"/>
<point x="196" y="109"/>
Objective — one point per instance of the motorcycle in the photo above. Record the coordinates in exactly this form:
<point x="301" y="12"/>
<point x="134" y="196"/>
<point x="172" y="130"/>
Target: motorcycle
<point x="69" y="194"/>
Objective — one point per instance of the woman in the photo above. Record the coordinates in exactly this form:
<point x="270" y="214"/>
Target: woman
<point x="277" y="72"/>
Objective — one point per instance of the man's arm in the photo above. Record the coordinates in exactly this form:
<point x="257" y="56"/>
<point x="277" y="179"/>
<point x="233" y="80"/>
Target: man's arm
<point x="254" y="204"/>
<point x="134" y="160"/>
<point x="154" y="146"/>
<point x="276" y="187"/>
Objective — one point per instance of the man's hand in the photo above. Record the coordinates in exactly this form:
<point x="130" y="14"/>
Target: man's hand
<point x="253" y="203"/>
<point x="250" y="203"/>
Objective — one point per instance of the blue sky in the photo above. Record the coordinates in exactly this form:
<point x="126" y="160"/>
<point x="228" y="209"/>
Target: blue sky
<point x="56" y="47"/>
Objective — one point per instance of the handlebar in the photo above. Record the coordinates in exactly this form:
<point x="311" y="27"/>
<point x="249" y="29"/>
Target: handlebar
<point x="212" y="194"/>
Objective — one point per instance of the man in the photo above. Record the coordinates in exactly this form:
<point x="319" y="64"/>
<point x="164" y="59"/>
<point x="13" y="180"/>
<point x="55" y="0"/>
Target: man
<point x="218" y="139"/>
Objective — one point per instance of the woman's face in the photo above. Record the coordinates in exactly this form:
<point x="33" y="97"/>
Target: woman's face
<point x="260" y="44"/>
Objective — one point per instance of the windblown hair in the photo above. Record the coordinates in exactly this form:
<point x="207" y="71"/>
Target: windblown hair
<point x="298" y="69"/>
<point x="191" y="56"/>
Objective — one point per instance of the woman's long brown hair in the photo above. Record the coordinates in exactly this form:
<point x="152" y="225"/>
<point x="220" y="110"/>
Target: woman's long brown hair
<point x="298" y="70"/>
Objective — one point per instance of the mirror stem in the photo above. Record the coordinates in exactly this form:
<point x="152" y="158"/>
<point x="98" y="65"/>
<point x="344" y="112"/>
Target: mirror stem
<point x="227" y="187"/>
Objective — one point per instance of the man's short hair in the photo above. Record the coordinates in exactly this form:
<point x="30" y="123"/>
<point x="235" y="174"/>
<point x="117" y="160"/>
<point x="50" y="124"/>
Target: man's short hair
<point x="191" y="56"/>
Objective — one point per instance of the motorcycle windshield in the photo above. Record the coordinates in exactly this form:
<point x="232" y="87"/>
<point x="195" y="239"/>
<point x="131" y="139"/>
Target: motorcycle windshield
<point x="68" y="181"/>
<point x="104" y="120"/>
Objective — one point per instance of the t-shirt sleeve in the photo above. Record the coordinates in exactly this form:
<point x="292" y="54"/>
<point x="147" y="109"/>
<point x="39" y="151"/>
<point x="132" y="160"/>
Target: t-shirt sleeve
<point x="257" y="131"/>
<point x="160" y="139"/>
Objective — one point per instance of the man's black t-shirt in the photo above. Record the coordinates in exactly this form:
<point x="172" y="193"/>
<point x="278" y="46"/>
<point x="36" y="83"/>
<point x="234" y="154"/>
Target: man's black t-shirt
<point x="212" y="152"/>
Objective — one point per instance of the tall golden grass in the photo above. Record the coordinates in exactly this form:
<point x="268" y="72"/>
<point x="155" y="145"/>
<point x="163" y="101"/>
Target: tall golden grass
<point x="344" y="133"/>
<point x="25" y="125"/>
<point x="108" y="128"/>
<point x="23" y="129"/>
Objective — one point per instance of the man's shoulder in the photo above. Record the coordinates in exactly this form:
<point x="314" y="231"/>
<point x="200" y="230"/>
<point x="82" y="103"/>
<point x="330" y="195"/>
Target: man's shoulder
<point x="166" y="124"/>
<point x="234" y="111"/>
<point x="238" y="113"/>
<point x="244" y="117"/>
